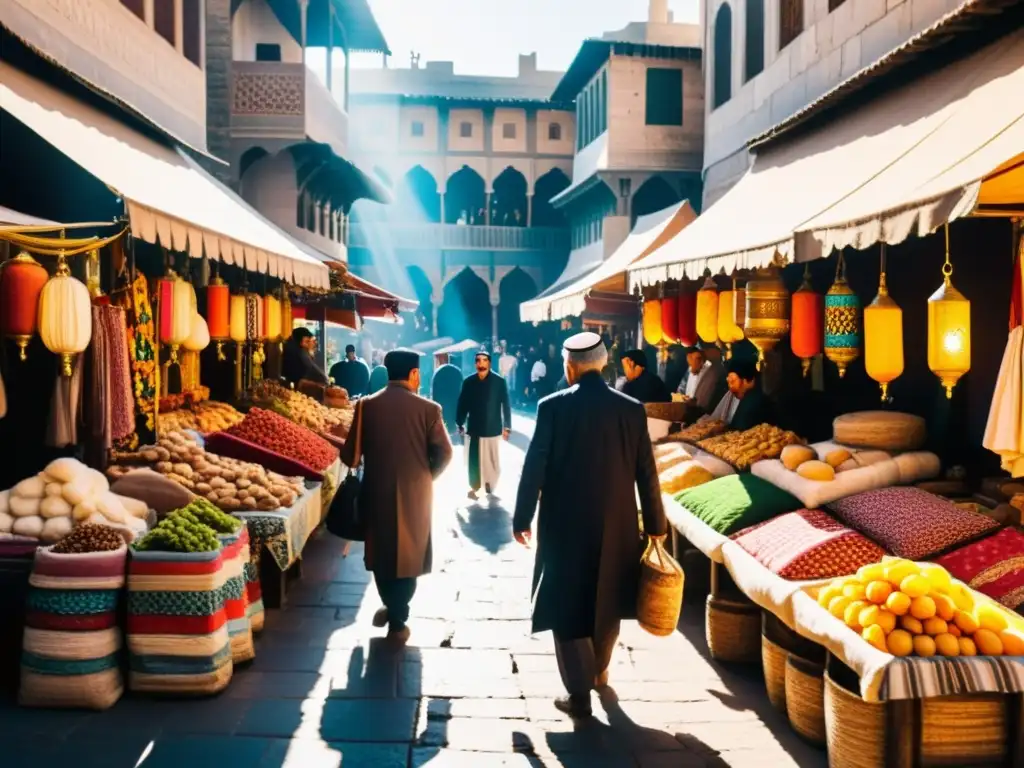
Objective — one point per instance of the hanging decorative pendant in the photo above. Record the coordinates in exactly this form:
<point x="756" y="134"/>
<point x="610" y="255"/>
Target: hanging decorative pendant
<point x="652" y="322"/>
<point x="65" y="316"/>
<point x="707" y="310"/>
<point x="842" y="321"/>
<point x="218" y="317"/>
<point x="730" y="329"/>
<point x="21" y="284"/>
<point x="687" y="314"/>
<point x="806" y="336"/>
<point x="883" y="336"/>
<point x="949" y="330"/>
<point x="767" y="315"/>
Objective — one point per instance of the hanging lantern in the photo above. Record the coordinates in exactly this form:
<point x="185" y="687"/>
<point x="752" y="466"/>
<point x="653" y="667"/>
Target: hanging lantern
<point x="165" y="309"/>
<point x="287" y="321"/>
<point x="652" y="322"/>
<point x="949" y="330"/>
<point x="218" y="316"/>
<point x="670" y="319"/>
<point x="199" y="337"/>
<point x="707" y="310"/>
<point x="883" y="336"/>
<point x="806" y="335"/>
<point x="729" y="330"/>
<point x="255" y="331"/>
<point x="272" y="318"/>
<point x="767" y="315"/>
<point x="21" y="282"/>
<point x="236" y="320"/>
<point x="177" y="306"/>
<point x="687" y="317"/>
<point x="65" y="316"/>
<point x="842" y="321"/>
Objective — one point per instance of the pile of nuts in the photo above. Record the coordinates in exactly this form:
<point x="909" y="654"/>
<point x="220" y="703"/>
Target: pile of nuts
<point x="303" y="409"/>
<point x="89" y="537"/>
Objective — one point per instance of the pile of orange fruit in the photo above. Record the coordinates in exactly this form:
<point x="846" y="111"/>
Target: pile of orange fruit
<point x="907" y="608"/>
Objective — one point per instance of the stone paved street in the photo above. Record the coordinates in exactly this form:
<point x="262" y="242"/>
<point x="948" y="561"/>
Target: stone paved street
<point x="473" y="689"/>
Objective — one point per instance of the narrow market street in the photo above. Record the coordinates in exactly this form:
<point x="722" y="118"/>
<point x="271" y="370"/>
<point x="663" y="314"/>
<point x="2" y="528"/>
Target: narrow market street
<point x="473" y="688"/>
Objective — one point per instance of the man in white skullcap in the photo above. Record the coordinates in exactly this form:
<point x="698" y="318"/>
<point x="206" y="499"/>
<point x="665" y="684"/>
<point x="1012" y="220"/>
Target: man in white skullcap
<point x="589" y="455"/>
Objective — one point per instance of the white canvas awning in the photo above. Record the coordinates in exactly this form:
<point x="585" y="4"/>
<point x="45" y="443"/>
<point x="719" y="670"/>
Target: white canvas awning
<point x="569" y="297"/>
<point x="171" y="200"/>
<point x="906" y="163"/>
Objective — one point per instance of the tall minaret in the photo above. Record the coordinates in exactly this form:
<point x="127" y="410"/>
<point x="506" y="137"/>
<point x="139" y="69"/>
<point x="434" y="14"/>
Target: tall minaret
<point x="657" y="12"/>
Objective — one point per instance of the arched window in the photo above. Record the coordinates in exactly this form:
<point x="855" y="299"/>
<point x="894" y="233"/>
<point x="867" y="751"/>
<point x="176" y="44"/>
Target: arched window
<point x="554" y="132"/>
<point x="754" y="59"/>
<point x="791" y="21"/>
<point x="723" y="56"/>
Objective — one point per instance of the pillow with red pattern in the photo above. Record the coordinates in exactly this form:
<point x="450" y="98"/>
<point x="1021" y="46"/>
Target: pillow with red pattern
<point x="808" y="544"/>
<point x="994" y="566"/>
<point x="911" y="523"/>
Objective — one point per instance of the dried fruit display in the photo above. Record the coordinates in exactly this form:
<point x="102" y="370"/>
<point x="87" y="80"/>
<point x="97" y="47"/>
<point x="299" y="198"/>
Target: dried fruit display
<point x="741" y="449"/>
<point x="300" y="408"/>
<point x="206" y="417"/>
<point x="276" y="433"/>
<point x="694" y="433"/>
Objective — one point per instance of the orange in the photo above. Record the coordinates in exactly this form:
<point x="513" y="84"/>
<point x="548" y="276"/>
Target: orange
<point x="988" y="643"/>
<point x="898" y="603"/>
<point x="838" y="606"/>
<point x="966" y="622"/>
<point x="900" y="643"/>
<point x="878" y="591"/>
<point x="887" y="621"/>
<point x="954" y="630"/>
<point x="967" y="646"/>
<point x="935" y="626"/>
<point x="947" y="645"/>
<point x="1013" y="642"/>
<point x="876" y="637"/>
<point x="869" y="616"/>
<point x="852" y="612"/>
<point x="924" y="646"/>
<point x="912" y="625"/>
<point x="922" y="607"/>
<point x="897" y="570"/>
<point x="854" y="591"/>
<point x="990" y="617"/>
<point x="937" y="576"/>
<point x="915" y="586"/>
<point x="945" y="608"/>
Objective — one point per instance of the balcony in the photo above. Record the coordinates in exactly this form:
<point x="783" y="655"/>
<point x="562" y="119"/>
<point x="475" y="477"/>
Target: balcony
<point x="457" y="237"/>
<point x="277" y="100"/>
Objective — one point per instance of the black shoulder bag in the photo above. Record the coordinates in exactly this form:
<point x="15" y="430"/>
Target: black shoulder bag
<point x="345" y="519"/>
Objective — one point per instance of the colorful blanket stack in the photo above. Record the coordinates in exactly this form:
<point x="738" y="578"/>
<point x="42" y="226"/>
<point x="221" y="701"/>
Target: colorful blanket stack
<point x="178" y="638"/>
<point x="72" y="639"/>
<point x="235" y="554"/>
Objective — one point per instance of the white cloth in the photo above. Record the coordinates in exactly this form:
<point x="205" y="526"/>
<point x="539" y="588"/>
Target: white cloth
<point x="1004" y="433"/>
<point x="538" y="372"/>
<point x="694" y="379"/>
<point x="506" y="364"/>
<point x="726" y="408"/>
<point x="490" y="462"/>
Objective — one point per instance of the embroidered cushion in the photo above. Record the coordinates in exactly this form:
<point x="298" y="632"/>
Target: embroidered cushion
<point x="733" y="503"/>
<point x="911" y="523"/>
<point x="808" y="544"/>
<point x="993" y="566"/>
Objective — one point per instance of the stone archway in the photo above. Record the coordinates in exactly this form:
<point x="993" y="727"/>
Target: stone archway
<point x="547" y="186"/>
<point x="515" y="288"/>
<point x="465" y="197"/>
<point x="653" y="195"/>
<point x="509" y="200"/>
<point x="418" y="198"/>
<point x="465" y="312"/>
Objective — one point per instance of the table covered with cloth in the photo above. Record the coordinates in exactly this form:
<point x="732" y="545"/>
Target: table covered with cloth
<point x="284" y="532"/>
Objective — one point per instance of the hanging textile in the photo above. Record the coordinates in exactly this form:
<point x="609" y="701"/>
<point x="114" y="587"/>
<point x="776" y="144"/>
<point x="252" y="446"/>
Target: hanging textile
<point x="122" y="406"/>
<point x="139" y="319"/>
<point x="65" y="407"/>
<point x="98" y="393"/>
<point x="1004" y="433"/>
<point x="3" y="397"/>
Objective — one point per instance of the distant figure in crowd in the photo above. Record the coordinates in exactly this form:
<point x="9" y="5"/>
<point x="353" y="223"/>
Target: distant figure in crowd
<point x="378" y="378"/>
<point x="507" y="365"/>
<point x="297" y="362"/>
<point x="405" y="448"/>
<point x="589" y="454"/>
<point x="642" y="384"/>
<point x="484" y="412"/>
<point x="538" y="373"/>
<point x="352" y="373"/>
<point x="704" y="383"/>
<point x="445" y="390"/>
<point x="744" y="406"/>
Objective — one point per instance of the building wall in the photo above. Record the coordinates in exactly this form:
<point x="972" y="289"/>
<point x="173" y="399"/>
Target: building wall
<point x="833" y="46"/>
<point x="255" y="22"/>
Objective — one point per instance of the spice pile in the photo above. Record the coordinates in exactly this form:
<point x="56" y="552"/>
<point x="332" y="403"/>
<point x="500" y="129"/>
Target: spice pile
<point x="180" y="531"/>
<point x="741" y="449"/>
<point x="276" y="433"/>
<point x="89" y="538"/>
<point x="230" y="484"/>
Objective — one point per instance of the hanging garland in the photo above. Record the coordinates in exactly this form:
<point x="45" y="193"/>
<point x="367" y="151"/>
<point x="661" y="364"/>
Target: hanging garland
<point x="140" y="346"/>
<point x="57" y="246"/>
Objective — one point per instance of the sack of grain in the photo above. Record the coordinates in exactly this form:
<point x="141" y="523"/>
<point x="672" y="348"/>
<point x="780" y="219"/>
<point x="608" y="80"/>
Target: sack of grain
<point x="881" y="430"/>
<point x="660" y="595"/>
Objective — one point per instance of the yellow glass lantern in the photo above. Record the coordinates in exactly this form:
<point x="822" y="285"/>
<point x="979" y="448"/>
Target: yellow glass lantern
<point x="652" y="322"/>
<point x="730" y="328"/>
<point x="65" y="316"/>
<point x="272" y="318"/>
<point x="949" y="330"/>
<point x="707" y="310"/>
<point x="237" y="332"/>
<point x="767" y="316"/>
<point x="883" y="336"/>
<point x="287" y="322"/>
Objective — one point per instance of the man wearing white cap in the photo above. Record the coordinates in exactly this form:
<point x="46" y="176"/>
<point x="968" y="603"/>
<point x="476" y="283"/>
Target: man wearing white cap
<point x="589" y="454"/>
<point x="484" y="412"/>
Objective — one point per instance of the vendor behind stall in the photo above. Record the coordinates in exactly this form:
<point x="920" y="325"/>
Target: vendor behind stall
<point x="297" y="361"/>
<point x="704" y="383"/>
<point x="745" y="405"/>
<point x="351" y="373"/>
<point x="642" y="384"/>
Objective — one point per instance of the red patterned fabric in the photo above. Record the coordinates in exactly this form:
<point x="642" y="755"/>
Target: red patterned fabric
<point x="993" y="566"/>
<point x="911" y="523"/>
<point x="808" y="544"/>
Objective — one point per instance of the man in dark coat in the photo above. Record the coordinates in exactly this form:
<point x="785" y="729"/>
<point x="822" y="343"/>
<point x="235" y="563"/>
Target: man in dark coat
<point x="642" y="384"/>
<point x="445" y="392"/>
<point x="297" y="360"/>
<point x="351" y="373"/>
<point x="483" y="403"/>
<point x="404" y="448"/>
<point x="378" y="379"/>
<point x="590" y="451"/>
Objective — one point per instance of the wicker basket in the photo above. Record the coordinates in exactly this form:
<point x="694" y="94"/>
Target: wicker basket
<point x="773" y="659"/>
<point x="660" y="596"/>
<point x="733" y="630"/>
<point x="805" y="698"/>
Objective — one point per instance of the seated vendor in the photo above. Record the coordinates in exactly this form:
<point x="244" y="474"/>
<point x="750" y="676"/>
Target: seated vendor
<point x="744" y="406"/>
<point x="642" y="384"/>
<point x="297" y="361"/>
<point x="703" y="385"/>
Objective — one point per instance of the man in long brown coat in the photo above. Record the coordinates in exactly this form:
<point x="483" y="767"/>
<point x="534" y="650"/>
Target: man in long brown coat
<point x="590" y="449"/>
<point x="405" y="447"/>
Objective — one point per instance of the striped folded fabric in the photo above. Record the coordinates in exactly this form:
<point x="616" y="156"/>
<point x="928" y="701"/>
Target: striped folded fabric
<point x="919" y="678"/>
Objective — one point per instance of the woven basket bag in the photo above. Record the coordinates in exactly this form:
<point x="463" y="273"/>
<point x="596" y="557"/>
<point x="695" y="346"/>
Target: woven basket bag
<point x="660" y="596"/>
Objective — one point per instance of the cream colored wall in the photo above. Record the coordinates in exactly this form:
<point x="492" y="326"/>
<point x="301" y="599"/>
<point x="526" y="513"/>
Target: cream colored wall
<point x="374" y="128"/>
<point x="566" y="145"/>
<point x="634" y="144"/>
<point x="516" y="117"/>
<point x="254" y="22"/>
<point x="833" y="46"/>
<point x="473" y="143"/>
<point x="428" y="142"/>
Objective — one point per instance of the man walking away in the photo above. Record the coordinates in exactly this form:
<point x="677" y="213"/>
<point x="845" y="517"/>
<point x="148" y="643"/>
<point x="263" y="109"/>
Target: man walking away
<point x="405" y="448"/>
<point x="351" y="373"/>
<point x="590" y="450"/>
<point x="641" y="384"/>
<point x="484" y="400"/>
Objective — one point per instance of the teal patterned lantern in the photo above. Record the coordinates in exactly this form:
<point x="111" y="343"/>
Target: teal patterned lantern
<point x="842" y="321"/>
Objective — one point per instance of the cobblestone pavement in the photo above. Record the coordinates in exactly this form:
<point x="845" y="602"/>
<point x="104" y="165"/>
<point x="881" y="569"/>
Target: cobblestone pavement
<point x="473" y="689"/>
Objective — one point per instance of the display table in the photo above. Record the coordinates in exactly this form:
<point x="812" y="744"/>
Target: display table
<point x="695" y="531"/>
